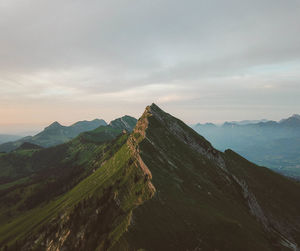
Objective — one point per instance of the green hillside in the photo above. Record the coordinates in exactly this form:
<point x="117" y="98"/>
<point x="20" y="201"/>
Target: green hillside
<point x="126" y="123"/>
<point x="54" y="134"/>
<point x="80" y="185"/>
<point x="162" y="187"/>
<point x="208" y="200"/>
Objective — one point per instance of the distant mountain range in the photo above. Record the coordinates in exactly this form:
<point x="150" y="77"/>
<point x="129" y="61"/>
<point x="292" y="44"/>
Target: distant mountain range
<point x="7" y="137"/>
<point x="56" y="133"/>
<point x="247" y="122"/>
<point x="269" y="143"/>
<point x="160" y="187"/>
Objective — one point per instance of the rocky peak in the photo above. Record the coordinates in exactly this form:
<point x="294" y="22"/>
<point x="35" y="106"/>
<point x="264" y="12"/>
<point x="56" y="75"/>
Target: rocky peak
<point x="178" y="128"/>
<point x="155" y="118"/>
<point x="165" y="146"/>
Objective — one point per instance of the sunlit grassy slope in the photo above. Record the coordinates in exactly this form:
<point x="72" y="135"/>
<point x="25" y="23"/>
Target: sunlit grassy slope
<point x="95" y="193"/>
<point x="208" y="200"/>
<point x="88" y="186"/>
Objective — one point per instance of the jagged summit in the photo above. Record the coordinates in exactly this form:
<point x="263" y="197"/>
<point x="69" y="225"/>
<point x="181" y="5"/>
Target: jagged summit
<point x="161" y="187"/>
<point x="205" y="198"/>
<point x="156" y="110"/>
<point x="178" y="128"/>
<point x="155" y="107"/>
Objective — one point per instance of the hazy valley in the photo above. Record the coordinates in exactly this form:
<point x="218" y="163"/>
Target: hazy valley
<point x="269" y="143"/>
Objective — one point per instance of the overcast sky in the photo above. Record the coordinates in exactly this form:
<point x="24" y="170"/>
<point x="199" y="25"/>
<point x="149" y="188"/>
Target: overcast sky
<point x="69" y="60"/>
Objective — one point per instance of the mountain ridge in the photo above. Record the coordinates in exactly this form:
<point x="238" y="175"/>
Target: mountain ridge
<point x="151" y="120"/>
<point x="272" y="144"/>
<point x="161" y="187"/>
<point x="8" y="138"/>
<point x="126" y="122"/>
<point x="294" y="119"/>
<point x="55" y="134"/>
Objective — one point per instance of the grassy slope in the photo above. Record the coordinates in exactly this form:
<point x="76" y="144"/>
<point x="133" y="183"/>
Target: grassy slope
<point x="61" y="166"/>
<point x="21" y="163"/>
<point x="53" y="135"/>
<point x="197" y="204"/>
<point x="274" y="192"/>
<point x="114" y="186"/>
<point x="101" y="134"/>
<point x="95" y="186"/>
<point x="126" y="122"/>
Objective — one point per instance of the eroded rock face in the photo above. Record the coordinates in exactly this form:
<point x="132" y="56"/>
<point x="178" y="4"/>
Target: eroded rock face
<point x="155" y="124"/>
<point x="178" y="128"/>
<point x="95" y="221"/>
<point x="139" y="134"/>
<point x="167" y="188"/>
<point x="277" y="229"/>
<point x="254" y="207"/>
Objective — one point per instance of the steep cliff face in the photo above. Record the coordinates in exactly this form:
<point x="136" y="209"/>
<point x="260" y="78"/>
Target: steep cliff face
<point x="104" y="211"/>
<point x="271" y="198"/>
<point x="162" y="187"/>
<point x="207" y="199"/>
<point x="96" y="212"/>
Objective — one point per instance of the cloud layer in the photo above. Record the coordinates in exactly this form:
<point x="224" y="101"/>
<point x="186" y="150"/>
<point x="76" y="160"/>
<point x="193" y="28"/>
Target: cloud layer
<point x="202" y="60"/>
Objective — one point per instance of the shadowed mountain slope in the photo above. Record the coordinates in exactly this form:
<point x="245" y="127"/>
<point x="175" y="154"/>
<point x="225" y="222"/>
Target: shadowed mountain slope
<point x="206" y="199"/>
<point x="162" y="187"/>
<point x="75" y="196"/>
<point x="272" y="144"/>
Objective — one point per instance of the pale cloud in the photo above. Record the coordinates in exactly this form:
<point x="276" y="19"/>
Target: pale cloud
<point x="201" y="60"/>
